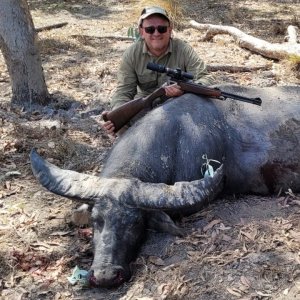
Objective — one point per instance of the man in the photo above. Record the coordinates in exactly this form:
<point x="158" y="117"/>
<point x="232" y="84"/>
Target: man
<point x="156" y="45"/>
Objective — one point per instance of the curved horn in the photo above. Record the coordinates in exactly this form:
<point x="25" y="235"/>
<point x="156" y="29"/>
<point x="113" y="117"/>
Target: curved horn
<point x="181" y="195"/>
<point x="66" y="183"/>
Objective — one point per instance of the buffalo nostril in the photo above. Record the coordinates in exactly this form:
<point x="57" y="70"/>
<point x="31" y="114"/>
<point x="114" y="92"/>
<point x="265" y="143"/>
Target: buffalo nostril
<point x="91" y="278"/>
<point x="120" y="276"/>
<point x="107" y="277"/>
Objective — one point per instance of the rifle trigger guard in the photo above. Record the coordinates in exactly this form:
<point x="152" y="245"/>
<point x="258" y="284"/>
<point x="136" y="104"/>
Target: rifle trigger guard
<point x="169" y="82"/>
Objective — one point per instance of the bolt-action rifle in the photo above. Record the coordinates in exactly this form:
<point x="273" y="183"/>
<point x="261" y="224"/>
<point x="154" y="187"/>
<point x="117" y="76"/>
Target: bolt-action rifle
<point x="124" y="113"/>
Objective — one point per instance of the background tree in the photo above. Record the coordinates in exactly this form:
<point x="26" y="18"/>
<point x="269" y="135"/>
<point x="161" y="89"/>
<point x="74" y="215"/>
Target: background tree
<point x="19" y="47"/>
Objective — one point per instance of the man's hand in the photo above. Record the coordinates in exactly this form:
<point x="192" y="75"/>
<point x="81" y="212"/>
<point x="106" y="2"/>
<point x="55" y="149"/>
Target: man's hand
<point x="173" y="90"/>
<point x="108" y="126"/>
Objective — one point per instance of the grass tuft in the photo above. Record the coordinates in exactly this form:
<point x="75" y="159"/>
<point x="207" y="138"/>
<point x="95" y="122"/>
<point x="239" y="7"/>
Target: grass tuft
<point x="173" y="7"/>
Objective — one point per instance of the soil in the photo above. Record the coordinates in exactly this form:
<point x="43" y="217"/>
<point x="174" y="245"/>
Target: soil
<point x="245" y="247"/>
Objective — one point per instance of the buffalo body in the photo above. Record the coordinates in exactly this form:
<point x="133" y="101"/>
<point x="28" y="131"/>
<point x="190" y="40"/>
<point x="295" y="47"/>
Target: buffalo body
<point x="155" y="169"/>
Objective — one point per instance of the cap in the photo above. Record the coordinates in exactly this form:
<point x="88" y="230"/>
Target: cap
<point x="148" y="11"/>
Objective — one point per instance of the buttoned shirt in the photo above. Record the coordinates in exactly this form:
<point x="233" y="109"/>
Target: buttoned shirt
<point x="135" y="80"/>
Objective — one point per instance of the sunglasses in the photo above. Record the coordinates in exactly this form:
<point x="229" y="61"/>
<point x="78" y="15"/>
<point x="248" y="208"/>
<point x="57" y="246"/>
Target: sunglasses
<point x="159" y="28"/>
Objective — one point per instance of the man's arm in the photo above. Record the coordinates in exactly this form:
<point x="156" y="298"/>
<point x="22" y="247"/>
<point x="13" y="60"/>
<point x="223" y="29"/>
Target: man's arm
<point x="125" y="91"/>
<point x="126" y="88"/>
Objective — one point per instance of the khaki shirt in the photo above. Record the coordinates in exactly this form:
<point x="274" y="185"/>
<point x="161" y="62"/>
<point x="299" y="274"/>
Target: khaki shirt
<point x="135" y="80"/>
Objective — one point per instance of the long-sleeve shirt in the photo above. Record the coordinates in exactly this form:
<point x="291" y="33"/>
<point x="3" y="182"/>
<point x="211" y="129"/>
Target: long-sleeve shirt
<point x="135" y="80"/>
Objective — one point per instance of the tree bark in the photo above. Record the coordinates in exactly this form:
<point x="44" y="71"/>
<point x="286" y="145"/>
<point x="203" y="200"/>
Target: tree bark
<point x="19" y="47"/>
<point x="271" y="50"/>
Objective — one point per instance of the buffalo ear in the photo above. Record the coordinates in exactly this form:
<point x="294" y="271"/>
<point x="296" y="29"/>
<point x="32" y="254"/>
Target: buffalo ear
<point x="160" y="221"/>
<point x="81" y="215"/>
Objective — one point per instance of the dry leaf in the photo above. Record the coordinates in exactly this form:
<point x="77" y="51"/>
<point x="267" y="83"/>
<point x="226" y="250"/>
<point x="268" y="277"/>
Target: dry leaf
<point x="223" y="227"/>
<point x="251" y="236"/>
<point x="286" y="291"/>
<point x="41" y="246"/>
<point x="290" y="193"/>
<point x="296" y="202"/>
<point x="51" y="145"/>
<point x="211" y="224"/>
<point x="247" y="297"/>
<point x="294" y="235"/>
<point x="234" y="291"/>
<point x="60" y="233"/>
<point x="169" y="267"/>
<point x="263" y="294"/>
<point x="179" y="241"/>
<point x="8" y="185"/>
<point x="181" y="290"/>
<point x="164" y="290"/>
<point x="156" y="261"/>
<point x="214" y="235"/>
<point x="243" y="288"/>
<point x="245" y="281"/>
<point x="226" y="238"/>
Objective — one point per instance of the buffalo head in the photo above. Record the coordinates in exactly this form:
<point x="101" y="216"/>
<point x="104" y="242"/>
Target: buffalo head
<point x="123" y="208"/>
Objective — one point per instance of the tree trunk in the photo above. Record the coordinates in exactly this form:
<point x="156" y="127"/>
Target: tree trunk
<point x="19" y="47"/>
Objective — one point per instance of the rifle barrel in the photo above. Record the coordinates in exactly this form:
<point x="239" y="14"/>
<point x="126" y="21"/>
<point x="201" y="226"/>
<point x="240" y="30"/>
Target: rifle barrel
<point x="256" y="101"/>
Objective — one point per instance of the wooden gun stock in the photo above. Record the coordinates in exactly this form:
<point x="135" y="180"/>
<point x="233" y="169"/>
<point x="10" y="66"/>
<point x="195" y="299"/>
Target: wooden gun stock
<point x="124" y="113"/>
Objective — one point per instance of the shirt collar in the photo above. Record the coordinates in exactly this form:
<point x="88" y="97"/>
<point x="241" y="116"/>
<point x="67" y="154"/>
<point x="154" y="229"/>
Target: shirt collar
<point x="169" y="50"/>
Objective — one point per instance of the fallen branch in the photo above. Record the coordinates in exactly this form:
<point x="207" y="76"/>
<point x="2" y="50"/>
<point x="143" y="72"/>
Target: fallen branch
<point x="49" y="27"/>
<point x="9" y="174"/>
<point x="109" y="37"/>
<point x="271" y="50"/>
<point x="236" y="69"/>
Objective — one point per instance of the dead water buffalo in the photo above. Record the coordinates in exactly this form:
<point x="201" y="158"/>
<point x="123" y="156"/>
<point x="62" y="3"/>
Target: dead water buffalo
<point x="154" y="170"/>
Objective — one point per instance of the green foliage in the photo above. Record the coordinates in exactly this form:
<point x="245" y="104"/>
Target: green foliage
<point x="133" y="33"/>
<point x="295" y="59"/>
<point x="295" y="64"/>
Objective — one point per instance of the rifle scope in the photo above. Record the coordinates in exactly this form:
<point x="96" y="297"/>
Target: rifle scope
<point x="173" y="73"/>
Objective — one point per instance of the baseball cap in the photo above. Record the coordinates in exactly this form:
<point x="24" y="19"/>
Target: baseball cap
<point x="148" y="11"/>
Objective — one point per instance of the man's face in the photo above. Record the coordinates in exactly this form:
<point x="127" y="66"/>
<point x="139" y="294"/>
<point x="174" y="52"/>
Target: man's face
<point x="156" y="42"/>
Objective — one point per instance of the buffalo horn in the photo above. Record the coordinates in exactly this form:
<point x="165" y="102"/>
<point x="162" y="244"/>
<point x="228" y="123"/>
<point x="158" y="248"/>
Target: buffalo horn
<point x="182" y="194"/>
<point x="66" y="183"/>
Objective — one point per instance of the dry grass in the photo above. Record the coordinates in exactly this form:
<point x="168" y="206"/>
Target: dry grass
<point x="295" y="64"/>
<point x="173" y="7"/>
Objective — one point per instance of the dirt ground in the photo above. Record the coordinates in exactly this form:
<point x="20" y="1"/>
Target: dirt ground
<point x="245" y="247"/>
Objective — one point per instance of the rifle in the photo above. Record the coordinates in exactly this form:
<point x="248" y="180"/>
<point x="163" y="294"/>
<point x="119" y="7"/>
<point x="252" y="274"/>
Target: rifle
<point x="124" y="113"/>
